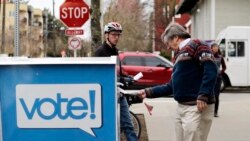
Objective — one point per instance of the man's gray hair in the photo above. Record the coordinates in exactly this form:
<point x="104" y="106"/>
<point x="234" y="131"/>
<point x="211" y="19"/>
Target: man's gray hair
<point x="174" y="30"/>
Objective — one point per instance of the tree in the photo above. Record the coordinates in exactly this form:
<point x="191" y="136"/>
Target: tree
<point x="55" y="39"/>
<point x="130" y="14"/>
<point x="163" y="13"/>
<point x="3" y="28"/>
<point x="86" y="48"/>
<point x="95" y="24"/>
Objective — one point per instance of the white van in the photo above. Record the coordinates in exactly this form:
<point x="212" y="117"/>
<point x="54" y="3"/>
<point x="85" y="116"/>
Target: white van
<point x="234" y="42"/>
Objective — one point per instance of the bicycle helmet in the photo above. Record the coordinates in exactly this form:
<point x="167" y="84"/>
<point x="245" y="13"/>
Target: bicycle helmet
<point x="112" y="26"/>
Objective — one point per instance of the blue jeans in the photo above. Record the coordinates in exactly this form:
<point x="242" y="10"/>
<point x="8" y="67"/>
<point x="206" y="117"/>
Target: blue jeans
<point x="125" y="120"/>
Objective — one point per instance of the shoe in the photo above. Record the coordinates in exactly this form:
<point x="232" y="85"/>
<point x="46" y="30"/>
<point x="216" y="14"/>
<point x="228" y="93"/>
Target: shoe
<point x="216" y="115"/>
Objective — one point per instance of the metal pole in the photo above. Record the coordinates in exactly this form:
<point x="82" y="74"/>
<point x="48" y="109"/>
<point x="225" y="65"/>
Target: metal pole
<point x="53" y="8"/>
<point x="54" y="31"/>
<point x="16" y="40"/>
<point x="75" y="53"/>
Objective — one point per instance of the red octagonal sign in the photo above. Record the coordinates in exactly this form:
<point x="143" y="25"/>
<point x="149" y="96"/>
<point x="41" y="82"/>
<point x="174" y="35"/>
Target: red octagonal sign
<point x="74" y="13"/>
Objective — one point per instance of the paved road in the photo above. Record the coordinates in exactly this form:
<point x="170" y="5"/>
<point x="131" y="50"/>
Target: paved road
<point x="233" y="123"/>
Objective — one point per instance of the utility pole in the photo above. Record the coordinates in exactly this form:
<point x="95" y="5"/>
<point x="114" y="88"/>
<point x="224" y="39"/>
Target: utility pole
<point x="53" y="8"/>
<point x="3" y="28"/>
<point x="17" y="21"/>
<point x="54" y="32"/>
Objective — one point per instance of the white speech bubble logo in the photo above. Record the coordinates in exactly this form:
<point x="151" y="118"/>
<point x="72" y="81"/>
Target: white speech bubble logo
<point x="59" y="106"/>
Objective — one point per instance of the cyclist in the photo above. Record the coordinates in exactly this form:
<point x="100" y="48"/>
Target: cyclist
<point x="112" y="33"/>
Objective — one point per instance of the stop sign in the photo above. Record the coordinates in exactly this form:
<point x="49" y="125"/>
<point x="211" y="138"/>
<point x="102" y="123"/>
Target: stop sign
<point x="74" y="13"/>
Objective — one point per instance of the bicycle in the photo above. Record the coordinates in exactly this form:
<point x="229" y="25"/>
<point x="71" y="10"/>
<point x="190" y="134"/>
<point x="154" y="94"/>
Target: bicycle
<point x="131" y="99"/>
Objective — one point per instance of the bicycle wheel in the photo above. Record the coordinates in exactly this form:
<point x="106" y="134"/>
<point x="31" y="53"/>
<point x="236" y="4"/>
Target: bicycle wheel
<point x="136" y="123"/>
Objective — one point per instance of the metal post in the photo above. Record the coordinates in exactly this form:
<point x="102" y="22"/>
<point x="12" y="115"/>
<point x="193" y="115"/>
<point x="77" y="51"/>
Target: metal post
<point x="16" y="40"/>
<point x="53" y="8"/>
<point x="75" y="53"/>
<point x="54" y="29"/>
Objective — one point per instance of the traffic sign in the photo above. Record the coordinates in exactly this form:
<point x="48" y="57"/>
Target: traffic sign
<point x="74" y="13"/>
<point x="72" y="32"/>
<point x="74" y="43"/>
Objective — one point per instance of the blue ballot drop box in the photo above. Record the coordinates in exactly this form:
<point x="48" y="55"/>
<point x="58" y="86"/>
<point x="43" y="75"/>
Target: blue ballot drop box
<point x="58" y="99"/>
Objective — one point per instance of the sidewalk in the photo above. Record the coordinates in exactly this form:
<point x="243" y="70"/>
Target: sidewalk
<point x="232" y="125"/>
<point x="160" y="124"/>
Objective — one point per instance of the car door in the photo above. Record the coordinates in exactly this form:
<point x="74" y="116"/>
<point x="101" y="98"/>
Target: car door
<point x="132" y="65"/>
<point x="156" y="70"/>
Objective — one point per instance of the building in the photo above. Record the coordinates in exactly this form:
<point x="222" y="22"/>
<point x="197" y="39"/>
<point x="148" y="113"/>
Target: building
<point x="35" y="34"/>
<point x="209" y="17"/>
<point x="183" y="19"/>
<point x="31" y="28"/>
<point x="163" y="13"/>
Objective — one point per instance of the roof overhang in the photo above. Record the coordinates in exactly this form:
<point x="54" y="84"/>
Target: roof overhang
<point x="186" y="6"/>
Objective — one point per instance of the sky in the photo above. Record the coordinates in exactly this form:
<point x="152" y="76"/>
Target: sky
<point x="49" y="4"/>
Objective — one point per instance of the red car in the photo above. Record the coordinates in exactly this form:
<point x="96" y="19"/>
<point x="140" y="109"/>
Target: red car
<point x="156" y="69"/>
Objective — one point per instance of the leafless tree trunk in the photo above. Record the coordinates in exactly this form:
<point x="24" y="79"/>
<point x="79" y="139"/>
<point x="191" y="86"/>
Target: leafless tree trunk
<point x="3" y="28"/>
<point x="95" y="24"/>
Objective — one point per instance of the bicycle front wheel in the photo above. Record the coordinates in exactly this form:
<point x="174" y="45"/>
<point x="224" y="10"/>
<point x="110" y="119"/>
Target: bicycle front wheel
<point x="136" y="123"/>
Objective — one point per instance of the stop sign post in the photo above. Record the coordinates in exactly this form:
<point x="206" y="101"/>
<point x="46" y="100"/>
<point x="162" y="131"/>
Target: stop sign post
<point x="74" y="43"/>
<point x="74" y="13"/>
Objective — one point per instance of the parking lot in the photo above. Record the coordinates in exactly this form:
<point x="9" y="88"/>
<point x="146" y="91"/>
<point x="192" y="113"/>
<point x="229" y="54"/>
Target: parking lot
<point x="233" y="123"/>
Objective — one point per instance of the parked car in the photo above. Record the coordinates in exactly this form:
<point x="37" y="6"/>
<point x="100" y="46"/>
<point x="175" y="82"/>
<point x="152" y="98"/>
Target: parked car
<point x="156" y="69"/>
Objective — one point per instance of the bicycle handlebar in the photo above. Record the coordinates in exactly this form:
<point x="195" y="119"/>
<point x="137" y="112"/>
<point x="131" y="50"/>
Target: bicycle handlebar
<point x="124" y="82"/>
<point x="129" y="80"/>
<point x="122" y="91"/>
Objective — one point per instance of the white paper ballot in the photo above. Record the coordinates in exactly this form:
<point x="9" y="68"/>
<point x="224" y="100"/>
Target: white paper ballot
<point x="138" y="76"/>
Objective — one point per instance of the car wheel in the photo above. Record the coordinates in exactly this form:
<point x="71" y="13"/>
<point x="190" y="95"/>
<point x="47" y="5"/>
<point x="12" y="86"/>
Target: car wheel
<point x="223" y="84"/>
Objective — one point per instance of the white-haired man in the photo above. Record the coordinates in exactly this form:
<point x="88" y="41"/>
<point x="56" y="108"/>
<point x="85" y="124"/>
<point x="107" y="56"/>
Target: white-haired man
<point x="193" y="79"/>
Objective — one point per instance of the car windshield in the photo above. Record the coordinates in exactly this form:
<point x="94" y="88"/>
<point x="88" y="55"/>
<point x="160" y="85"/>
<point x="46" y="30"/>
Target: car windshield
<point x="166" y="60"/>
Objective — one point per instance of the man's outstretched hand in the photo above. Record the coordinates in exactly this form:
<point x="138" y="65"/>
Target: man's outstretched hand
<point x="141" y="94"/>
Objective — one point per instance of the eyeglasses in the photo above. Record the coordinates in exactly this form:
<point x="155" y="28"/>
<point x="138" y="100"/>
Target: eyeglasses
<point x="115" y="34"/>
